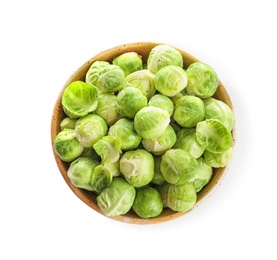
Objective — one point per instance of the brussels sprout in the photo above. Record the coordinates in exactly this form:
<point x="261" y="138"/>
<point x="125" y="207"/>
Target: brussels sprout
<point x="105" y="76"/>
<point x="66" y="145"/>
<point x="90" y="153"/>
<point x="113" y="167"/>
<point x="89" y="129"/>
<point x="68" y="123"/>
<point x="101" y="178"/>
<point x="163" y="190"/>
<point x="202" y="80"/>
<point x="151" y="122"/>
<point x="108" y="148"/>
<point x="158" y="177"/>
<point x="79" y="99"/>
<point x="118" y="198"/>
<point x="128" y="62"/>
<point x="178" y="166"/>
<point x="125" y="130"/>
<point x="161" y="144"/>
<point x="95" y="70"/>
<point x="217" y="160"/>
<point x="143" y="80"/>
<point x="107" y="108"/>
<point x="137" y="166"/>
<point x="162" y="102"/>
<point x="189" y="110"/>
<point x="170" y="80"/>
<point x="213" y="136"/>
<point x="163" y="55"/>
<point x="202" y="176"/>
<point x="129" y="101"/>
<point x="186" y="140"/>
<point x="182" y="197"/>
<point x="216" y="109"/>
<point x="148" y="202"/>
<point x="80" y="172"/>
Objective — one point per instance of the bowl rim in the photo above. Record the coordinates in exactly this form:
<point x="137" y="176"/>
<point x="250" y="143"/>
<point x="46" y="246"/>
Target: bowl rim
<point x="85" y="196"/>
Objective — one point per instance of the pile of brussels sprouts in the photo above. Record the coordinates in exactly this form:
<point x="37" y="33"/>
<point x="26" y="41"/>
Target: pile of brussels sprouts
<point x="144" y="136"/>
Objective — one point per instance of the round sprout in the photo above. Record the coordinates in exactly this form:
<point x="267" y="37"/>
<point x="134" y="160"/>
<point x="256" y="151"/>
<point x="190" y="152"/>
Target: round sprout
<point x="189" y="110"/>
<point x="108" y="148"/>
<point x="158" y="177"/>
<point x="148" y="202"/>
<point x="178" y="166"/>
<point x="213" y="136"/>
<point x="80" y="172"/>
<point x="202" y="80"/>
<point x="216" y="109"/>
<point x="143" y="80"/>
<point x="124" y="129"/>
<point x="217" y="160"/>
<point x="137" y="166"/>
<point x="68" y="123"/>
<point x="128" y="62"/>
<point x="162" y="102"/>
<point x="107" y="108"/>
<point x="79" y="99"/>
<point x="129" y="101"/>
<point x="101" y="178"/>
<point x="89" y="129"/>
<point x="182" y="197"/>
<point x="66" y="145"/>
<point x="151" y="122"/>
<point x="202" y="176"/>
<point x="170" y="80"/>
<point x="186" y="140"/>
<point x="163" y="55"/>
<point x="105" y="76"/>
<point x="160" y="145"/>
<point x="118" y="198"/>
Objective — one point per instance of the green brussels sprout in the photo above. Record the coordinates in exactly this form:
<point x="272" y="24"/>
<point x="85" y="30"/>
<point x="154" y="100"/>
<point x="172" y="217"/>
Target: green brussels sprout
<point x="66" y="145"/>
<point x="213" y="136"/>
<point x="79" y="99"/>
<point x="137" y="166"/>
<point x="202" y="176"/>
<point x="182" y="197"/>
<point x="217" y="109"/>
<point x="162" y="102"/>
<point x="95" y="70"/>
<point x="80" y="172"/>
<point x="107" y="108"/>
<point x="163" y="55"/>
<point x="89" y="129"/>
<point x="113" y="167"/>
<point x="67" y="122"/>
<point x="105" y="76"/>
<point x="148" y="202"/>
<point x="118" y="198"/>
<point x="101" y="178"/>
<point x="128" y="62"/>
<point x="178" y="166"/>
<point x="158" y="177"/>
<point x="125" y="130"/>
<point x="202" y="80"/>
<point x="186" y="140"/>
<point x="151" y="122"/>
<point x="170" y="80"/>
<point x="189" y="110"/>
<point x="108" y="148"/>
<point x="161" y="144"/>
<point x="217" y="160"/>
<point x="143" y="80"/>
<point x="129" y="101"/>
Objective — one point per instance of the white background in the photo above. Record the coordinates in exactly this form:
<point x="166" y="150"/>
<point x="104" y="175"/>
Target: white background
<point x="43" y="42"/>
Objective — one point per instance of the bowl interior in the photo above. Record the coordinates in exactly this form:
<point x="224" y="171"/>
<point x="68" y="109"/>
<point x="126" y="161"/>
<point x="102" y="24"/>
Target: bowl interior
<point x="89" y="198"/>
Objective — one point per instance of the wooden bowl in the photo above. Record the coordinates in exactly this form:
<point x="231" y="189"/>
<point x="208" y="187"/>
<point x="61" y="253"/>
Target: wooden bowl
<point x="89" y="198"/>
